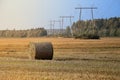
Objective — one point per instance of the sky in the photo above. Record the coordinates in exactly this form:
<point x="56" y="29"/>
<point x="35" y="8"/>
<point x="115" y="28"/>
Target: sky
<point x="27" y="14"/>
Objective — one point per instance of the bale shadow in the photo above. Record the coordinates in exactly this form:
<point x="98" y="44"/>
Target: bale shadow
<point x="67" y="59"/>
<point x="85" y="59"/>
<point x="105" y="60"/>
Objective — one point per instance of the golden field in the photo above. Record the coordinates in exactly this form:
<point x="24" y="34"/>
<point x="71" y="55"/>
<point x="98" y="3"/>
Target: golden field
<point x="74" y="59"/>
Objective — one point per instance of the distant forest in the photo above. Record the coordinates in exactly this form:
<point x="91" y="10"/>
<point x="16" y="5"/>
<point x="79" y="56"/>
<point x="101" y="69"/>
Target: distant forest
<point x="38" y="32"/>
<point x="103" y="27"/>
<point x="85" y="28"/>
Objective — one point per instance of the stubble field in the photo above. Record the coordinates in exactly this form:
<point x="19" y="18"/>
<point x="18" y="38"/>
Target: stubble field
<point x="74" y="59"/>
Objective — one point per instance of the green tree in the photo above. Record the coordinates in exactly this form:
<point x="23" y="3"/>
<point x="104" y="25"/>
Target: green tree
<point x="68" y="32"/>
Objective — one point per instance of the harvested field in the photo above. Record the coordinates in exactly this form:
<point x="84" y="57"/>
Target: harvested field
<point x="74" y="59"/>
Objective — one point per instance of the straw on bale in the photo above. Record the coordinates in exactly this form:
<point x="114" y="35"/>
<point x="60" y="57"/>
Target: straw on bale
<point x="42" y="50"/>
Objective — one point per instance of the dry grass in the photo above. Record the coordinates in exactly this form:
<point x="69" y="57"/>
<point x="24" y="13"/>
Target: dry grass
<point x="74" y="59"/>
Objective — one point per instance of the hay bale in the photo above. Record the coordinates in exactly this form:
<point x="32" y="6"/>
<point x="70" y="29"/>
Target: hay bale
<point x="41" y="50"/>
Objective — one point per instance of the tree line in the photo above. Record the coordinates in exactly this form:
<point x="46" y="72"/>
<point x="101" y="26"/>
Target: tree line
<point x="97" y="27"/>
<point x="37" y="32"/>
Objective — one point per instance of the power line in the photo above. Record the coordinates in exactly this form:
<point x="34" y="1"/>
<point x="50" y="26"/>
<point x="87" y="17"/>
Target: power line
<point x="86" y="8"/>
<point x="91" y="8"/>
<point x="58" y="21"/>
<point x="81" y="8"/>
<point x="70" y="17"/>
<point x="52" y="27"/>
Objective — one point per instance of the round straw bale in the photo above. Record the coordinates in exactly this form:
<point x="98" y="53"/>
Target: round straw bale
<point x="42" y="50"/>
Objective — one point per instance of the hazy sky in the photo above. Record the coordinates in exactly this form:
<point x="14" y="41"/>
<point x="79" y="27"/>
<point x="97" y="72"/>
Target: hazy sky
<point x="26" y="14"/>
